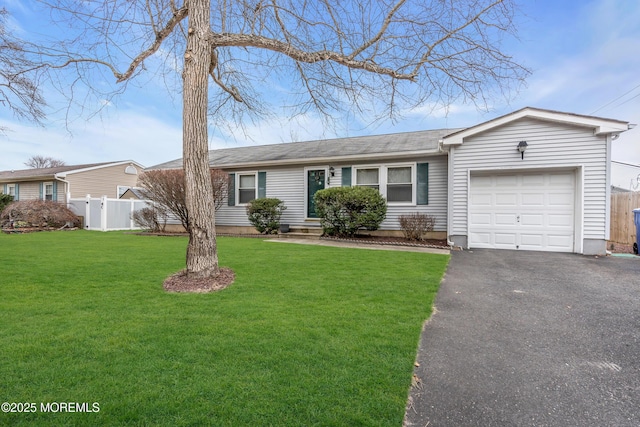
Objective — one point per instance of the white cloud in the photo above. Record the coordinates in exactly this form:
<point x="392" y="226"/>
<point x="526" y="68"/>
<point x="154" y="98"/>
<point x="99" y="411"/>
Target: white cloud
<point x="129" y="136"/>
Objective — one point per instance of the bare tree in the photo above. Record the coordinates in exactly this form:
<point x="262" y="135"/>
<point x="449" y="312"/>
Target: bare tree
<point x="377" y="58"/>
<point x="166" y="187"/>
<point x="39" y="162"/>
<point x="18" y="91"/>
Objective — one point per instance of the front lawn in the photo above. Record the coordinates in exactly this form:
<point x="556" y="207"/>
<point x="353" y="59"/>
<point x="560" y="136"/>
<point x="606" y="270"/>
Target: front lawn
<point x="305" y="336"/>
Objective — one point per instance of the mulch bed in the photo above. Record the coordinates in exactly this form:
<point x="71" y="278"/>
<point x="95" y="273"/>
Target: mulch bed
<point x="392" y="241"/>
<point x="180" y="282"/>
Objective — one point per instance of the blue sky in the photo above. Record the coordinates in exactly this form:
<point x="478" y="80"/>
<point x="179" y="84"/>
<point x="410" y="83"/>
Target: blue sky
<point x="584" y="56"/>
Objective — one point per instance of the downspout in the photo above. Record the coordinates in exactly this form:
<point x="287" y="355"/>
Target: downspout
<point x="441" y="149"/>
<point x="67" y="193"/>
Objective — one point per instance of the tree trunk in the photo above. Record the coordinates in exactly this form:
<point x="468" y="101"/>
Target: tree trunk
<point x="202" y="253"/>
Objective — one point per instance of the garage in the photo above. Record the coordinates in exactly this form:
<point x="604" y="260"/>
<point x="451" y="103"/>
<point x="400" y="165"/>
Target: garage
<point x="526" y="211"/>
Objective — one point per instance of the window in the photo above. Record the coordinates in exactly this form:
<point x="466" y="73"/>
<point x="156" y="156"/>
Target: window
<point x="47" y="193"/>
<point x="368" y="178"/>
<point x="246" y="188"/>
<point x="399" y="184"/>
<point x="396" y="183"/>
<point x="11" y="190"/>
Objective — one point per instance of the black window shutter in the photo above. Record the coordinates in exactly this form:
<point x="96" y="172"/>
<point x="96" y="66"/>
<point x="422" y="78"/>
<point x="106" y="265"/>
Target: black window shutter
<point x="232" y="190"/>
<point x="346" y="176"/>
<point x="423" y="184"/>
<point x="262" y="184"/>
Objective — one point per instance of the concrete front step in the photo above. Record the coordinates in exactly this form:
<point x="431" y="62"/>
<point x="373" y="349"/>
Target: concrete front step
<point x="297" y="232"/>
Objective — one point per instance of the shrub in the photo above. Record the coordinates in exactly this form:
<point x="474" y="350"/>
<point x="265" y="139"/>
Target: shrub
<point x="147" y="219"/>
<point x="166" y="188"/>
<point x="265" y="213"/>
<point x="345" y="210"/>
<point x="37" y="214"/>
<point x="5" y="199"/>
<point x="415" y="226"/>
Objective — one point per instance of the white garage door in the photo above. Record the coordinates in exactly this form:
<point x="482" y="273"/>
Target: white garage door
<point x="525" y="211"/>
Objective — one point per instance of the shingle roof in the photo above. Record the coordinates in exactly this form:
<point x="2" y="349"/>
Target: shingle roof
<point x="292" y="152"/>
<point x="47" y="172"/>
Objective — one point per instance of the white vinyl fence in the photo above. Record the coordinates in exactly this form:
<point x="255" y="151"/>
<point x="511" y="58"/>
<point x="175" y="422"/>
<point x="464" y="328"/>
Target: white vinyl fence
<point x="106" y="214"/>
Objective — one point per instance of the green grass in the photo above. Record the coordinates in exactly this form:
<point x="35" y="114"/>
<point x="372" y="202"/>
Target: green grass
<point x="305" y="336"/>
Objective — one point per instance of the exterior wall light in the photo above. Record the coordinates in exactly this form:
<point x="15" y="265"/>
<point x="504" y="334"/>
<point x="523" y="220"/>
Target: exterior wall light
<point x="522" y="147"/>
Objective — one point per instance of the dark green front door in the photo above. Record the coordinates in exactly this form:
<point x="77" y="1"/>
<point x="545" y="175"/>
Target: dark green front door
<point x="315" y="182"/>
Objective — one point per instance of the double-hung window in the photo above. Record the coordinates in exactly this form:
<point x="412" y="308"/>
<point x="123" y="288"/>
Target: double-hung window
<point x="247" y="186"/>
<point x="368" y="177"/>
<point x="395" y="182"/>
<point x="11" y="190"/>
<point x="400" y="184"/>
<point x="47" y="193"/>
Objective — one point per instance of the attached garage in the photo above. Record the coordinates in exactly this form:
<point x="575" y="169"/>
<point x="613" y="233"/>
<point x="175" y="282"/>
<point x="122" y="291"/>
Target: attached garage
<point x="532" y="180"/>
<point x="528" y="211"/>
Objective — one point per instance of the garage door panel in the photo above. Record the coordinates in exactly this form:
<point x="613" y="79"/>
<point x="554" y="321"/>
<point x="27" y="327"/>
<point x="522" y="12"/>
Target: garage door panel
<point x="483" y="240"/>
<point x="481" y="199"/>
<point x="533" y="241"/>
<point x="559" y="241"/>
<point x="480" y="219"/>
<point x="532" y="199"/>
<point x="505" y="180"/>
<point x="505" y="219"/>
<point x="533" y="180"/>
<point x="561" y="199"/>
<point x="506" y="199"/>
<point x="505" y="238"/>
<point x="532" y="211"/>
<point x="558" y="220"/>
<point x="528" y="220"/>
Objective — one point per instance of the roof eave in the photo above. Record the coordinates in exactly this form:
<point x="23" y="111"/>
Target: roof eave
<point x="330" y="159"/>
<point x="599" y="125"/>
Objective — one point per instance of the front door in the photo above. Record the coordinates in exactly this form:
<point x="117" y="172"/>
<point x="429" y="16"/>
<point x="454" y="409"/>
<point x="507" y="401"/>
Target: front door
<point x="315" y="182"/>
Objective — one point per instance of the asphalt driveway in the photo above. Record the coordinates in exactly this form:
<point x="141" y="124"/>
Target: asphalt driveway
<point x="531" y="339"/>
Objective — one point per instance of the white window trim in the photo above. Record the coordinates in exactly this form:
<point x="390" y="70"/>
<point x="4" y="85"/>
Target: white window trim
<point x="9" y="187"/>
<point x="237" y="186"/>
<point x="44" y="190"/>
<point x="382" y="180"/>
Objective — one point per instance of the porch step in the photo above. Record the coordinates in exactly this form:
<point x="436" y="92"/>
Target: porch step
<point x="301" y="232"/>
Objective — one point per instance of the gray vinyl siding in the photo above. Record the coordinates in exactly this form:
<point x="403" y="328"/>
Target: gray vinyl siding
<point x="288" y="184"/>
<point x="550" y="145"/>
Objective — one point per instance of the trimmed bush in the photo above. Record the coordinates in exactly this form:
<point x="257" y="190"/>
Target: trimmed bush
<point x="345" y="210"/>
<point x="415" y="226"/>
<point x="37" y="214"/>
<point x="265" y="213"/>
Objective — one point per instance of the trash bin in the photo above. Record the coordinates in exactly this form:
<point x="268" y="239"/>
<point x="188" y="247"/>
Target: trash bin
<point x="636" y="221"/>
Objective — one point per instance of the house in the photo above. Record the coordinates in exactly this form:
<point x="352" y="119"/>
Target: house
<point x="533" y="179"/>
<point x="134" y="193"/>
<point x="624" y="177"/>
<point x="62" y="183"/>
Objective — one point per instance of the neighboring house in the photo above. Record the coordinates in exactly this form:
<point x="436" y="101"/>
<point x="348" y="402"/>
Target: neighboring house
<point x="61" y="183"/>
<point x="625" y="177"/>
<point x="482" y="189"/>
<point x="134" y="193"/>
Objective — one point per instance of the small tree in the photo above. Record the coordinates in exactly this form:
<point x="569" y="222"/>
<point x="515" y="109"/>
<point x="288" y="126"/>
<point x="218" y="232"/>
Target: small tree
<point x="265" y="213"/>
<point x="345" y="210"/>
<point x="167" y="189"/>
<point x="39" y="162"/>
